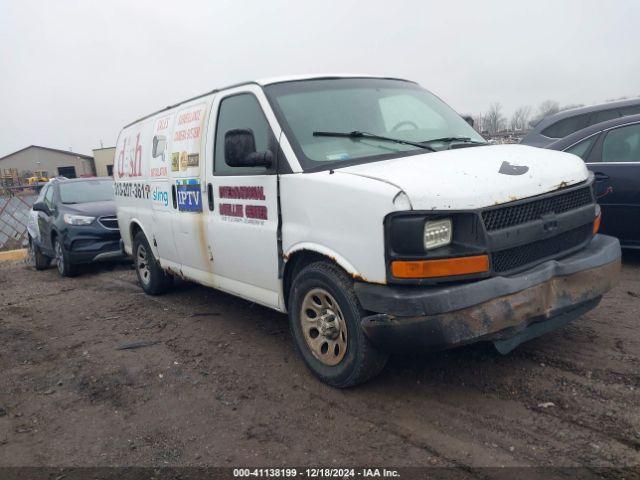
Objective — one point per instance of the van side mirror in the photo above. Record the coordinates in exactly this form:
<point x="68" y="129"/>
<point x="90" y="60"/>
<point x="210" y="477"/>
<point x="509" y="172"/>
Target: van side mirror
<point x="468" y="119"/>
<point x="240" y="150"/>
<point x="41" y="207"/>
<point x="159" y="145"/>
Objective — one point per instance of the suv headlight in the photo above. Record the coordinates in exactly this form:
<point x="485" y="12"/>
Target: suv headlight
<point x="78" y="219"/>
<point x="437" y="233"/>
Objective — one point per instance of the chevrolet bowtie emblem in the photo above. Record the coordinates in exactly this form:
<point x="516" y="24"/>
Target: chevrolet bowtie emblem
<point x="507" y="169"/>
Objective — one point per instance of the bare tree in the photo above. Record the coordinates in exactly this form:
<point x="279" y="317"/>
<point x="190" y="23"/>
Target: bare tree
<point x="546" y="108"/>
<point x="520" y="118"/>
<point x="495" y="121"/>
<point x="570" y="106"/>
<point x="479" y="123"/>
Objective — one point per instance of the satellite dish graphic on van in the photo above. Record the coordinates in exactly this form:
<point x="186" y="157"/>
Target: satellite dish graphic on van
<point x="159" y="146"/>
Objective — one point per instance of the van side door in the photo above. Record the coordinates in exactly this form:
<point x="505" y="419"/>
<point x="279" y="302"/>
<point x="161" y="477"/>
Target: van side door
<point x="160" y="181"/>
<point x="186" y="185"/>
<point x="242" y="202"/>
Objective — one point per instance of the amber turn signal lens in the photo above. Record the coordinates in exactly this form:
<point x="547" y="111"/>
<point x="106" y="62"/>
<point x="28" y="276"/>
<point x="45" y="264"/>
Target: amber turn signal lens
<point x="596" y="223"/>
<point x="440" y="268"/>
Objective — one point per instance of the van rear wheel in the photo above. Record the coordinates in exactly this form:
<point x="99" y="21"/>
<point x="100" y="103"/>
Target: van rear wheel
<point x="324" y="317"/>
<point x="152" y="278"/>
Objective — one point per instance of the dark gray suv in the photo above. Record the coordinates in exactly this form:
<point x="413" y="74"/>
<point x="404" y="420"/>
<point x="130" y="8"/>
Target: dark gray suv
<point x="561" y="124"/>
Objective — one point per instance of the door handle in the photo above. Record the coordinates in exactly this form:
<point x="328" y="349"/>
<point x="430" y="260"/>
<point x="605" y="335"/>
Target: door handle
<point x="174" y="200"/>
<point x="601" y="176"/>
<point x="210" y="196"/>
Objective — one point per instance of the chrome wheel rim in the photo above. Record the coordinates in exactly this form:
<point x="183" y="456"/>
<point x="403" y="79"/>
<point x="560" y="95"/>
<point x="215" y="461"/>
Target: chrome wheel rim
<point x="142" y="265"/>
<point x="323" y="326"/>
<point x="59" y="258"/>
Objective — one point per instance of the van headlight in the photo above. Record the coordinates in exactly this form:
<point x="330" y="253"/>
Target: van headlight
<point x="78" y="219"/>
<point x="437" y="233"/>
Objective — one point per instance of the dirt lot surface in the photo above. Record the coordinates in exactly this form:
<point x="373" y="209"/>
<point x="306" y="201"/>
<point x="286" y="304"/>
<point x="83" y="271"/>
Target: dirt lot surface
<point x="223" y="386"/>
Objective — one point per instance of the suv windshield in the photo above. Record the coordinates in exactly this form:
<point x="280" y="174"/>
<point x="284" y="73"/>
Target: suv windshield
<point x="87" y="191"/>
<point x="387" y="108"/>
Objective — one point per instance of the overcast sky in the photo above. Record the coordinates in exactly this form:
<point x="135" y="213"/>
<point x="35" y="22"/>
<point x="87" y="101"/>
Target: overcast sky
<point x="72" y="73"/>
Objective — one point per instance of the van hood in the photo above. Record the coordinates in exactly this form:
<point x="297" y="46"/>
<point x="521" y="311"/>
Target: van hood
<point x="475" y="177"/>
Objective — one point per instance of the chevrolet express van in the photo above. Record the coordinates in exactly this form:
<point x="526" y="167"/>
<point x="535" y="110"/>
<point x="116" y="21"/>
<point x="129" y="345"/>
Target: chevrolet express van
<point x="366" y="209"/>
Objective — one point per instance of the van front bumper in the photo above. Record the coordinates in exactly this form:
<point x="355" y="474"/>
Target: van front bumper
<point x="504" y="310"/>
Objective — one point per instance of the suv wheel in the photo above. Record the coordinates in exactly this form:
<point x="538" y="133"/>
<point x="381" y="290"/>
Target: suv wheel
<point x="35" y="257"/>
<point x="65" y="267"/>
<point x="153" y="279"/>
<point x="324" y="317"/>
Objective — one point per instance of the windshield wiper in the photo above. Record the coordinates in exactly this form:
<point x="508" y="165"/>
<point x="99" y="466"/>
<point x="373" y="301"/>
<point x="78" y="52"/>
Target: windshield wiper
<point x="454" y="139"/>
<point x="372" y="136"/>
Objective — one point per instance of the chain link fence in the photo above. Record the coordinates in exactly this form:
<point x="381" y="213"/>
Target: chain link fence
<point x="14" y="215"/>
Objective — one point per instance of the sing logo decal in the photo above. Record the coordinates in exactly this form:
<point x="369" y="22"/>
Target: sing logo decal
<point x="189" y="196"/>
<point x="159" y="197"/>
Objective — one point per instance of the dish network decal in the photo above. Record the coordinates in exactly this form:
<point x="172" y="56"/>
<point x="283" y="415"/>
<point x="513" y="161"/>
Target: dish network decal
<point x="135" y="161"/>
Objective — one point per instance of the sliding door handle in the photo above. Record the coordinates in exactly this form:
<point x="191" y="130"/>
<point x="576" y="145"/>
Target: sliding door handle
<point x="210" y="196"/>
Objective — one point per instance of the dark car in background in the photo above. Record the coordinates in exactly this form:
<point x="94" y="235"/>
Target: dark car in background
<point x="564" y="123"/>
<point x="76" y="224"/>
<point x="612" y="151"/>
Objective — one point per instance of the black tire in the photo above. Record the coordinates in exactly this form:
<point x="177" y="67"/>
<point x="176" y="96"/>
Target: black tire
<point x="35" y="256"/>
<point x="63" y="262"/>
<point x="361" y="361"/>
<point x="152" y="278"/>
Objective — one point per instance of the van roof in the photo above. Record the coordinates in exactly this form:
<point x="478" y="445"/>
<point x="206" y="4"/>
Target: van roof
<point x="269" y="81"/>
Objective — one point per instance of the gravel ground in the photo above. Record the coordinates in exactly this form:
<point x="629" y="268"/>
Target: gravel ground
<point x="220" y="384"/>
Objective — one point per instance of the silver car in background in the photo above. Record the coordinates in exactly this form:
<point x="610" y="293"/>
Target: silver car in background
<point x="561" y="124"/>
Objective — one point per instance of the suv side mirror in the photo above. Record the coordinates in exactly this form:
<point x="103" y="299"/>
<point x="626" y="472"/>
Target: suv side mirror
<point x="41" y="207"/>
<point x="240" y="150"/>
<point x="159" y="145"/>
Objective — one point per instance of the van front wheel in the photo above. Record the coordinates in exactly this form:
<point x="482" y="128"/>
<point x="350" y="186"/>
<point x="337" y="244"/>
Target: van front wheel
<point x="152" y="278"/>
<point x="324" y="317"/>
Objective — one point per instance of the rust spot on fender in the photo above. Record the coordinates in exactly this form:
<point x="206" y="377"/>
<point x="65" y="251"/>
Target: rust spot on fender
<point x="175" y="273"/>
<point x="359" y="278"/>
<point x="205" y="248"/>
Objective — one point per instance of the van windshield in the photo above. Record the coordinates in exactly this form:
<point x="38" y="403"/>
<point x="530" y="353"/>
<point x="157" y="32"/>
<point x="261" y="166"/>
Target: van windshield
<point x="380" y="107"/>
<point x="86" y="191"/>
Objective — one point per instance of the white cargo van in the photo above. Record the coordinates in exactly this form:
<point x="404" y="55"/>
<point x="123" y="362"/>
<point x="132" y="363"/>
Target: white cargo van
<point x="368" y="210"/>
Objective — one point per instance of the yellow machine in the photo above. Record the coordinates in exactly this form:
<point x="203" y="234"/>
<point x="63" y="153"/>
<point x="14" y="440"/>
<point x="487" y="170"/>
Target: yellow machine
<point x="38" y="177"/>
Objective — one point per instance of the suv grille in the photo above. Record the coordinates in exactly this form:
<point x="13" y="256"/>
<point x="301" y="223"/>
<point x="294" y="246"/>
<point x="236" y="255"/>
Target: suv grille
<point x="515" y="215"/>
<point x="512" y="258"/>
<point x="110" y="222"/>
